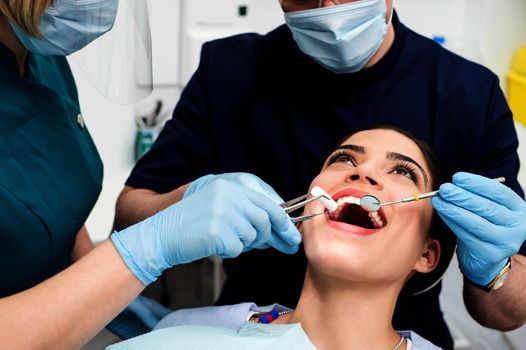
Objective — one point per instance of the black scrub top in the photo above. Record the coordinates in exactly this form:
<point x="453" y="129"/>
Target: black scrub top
<point x="258" y="104"/>
<point x="50" y="170"/>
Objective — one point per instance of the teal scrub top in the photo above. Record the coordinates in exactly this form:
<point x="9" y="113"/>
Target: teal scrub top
<point x="50" y="170"/>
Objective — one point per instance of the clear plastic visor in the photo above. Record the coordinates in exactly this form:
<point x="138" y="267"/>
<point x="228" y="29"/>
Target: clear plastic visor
<point x="301" y="5"/>
<point x="119" y="63"/>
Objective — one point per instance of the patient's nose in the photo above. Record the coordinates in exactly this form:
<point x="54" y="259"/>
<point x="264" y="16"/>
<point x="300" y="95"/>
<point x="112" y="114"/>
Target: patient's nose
<point x="365" y="176"/>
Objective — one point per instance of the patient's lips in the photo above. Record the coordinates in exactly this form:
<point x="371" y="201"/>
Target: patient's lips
<point x="351" y="217"/>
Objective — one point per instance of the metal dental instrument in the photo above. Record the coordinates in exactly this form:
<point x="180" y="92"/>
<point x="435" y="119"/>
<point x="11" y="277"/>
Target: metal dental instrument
<point x="372" y="203"/>
<point x="299" y="202"/>
<point x="316" y="194"/>
<point x="305" y="217"/>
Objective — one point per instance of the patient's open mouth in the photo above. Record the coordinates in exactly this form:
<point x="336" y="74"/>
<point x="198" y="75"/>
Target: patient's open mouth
<point x="351" y="212"/>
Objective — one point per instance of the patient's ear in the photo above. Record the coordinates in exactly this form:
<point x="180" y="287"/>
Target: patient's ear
<point x="430" y="256"/>
<point x="299" y="227"/>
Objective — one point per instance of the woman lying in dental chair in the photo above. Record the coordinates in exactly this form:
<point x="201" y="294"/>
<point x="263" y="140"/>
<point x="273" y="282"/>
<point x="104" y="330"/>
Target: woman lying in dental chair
<point x="358" y="261"/>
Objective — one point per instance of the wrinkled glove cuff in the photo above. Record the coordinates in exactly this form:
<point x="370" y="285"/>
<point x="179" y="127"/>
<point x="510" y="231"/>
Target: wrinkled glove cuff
<point x="197" y="184"/>
<point x="142" y="275"/>
<point x="497" y="281"/>
<point x="483" y="280"/>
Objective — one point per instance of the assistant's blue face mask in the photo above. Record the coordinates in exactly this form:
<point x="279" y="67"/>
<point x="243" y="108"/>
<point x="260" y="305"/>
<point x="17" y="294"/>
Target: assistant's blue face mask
<point x="69" y="25"/>
<point x="341" y="38"/>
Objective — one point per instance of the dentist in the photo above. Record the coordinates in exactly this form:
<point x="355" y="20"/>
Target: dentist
<point x="56" y="290"/>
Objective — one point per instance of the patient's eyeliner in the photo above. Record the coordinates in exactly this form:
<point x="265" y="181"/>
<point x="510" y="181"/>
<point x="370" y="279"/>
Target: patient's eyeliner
<point x="405" y="162"/>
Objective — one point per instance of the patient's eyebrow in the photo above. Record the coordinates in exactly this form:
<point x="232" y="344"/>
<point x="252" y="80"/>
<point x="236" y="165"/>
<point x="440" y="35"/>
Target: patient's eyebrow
<point x="354" y="148"/>
<point x="389" y="156"/>
<point x="398" y="156"/>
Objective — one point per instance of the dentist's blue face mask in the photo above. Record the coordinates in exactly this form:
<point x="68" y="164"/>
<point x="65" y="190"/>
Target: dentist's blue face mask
<point x="342" y="38"/>
<point x="69" y="25"/>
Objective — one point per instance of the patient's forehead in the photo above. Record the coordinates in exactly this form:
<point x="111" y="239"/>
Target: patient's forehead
<point x="384" y="140"/>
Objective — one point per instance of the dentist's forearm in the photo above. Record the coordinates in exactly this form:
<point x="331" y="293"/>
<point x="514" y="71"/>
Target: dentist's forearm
<point x="83" y="245"/>
<point x="66" y="311"/>
<point x="505" y="308"/>
<point x="137" y="204"/>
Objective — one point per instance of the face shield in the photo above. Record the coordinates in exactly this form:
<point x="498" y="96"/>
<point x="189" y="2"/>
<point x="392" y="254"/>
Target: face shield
<point x="119" y="63"/>
<point x="301" y="5"/>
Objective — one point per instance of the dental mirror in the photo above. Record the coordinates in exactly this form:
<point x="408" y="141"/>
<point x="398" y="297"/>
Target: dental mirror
<point x="370" y="203"/>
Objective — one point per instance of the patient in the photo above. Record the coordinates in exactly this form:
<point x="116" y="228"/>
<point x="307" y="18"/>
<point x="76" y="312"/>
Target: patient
<point x="358" y="261"/>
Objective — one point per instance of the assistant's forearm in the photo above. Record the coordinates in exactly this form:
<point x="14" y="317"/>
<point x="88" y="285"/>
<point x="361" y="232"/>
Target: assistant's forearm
<point x="505" y="308"/>
<point x="137" y="204"/>
<point x="67" y="310"/>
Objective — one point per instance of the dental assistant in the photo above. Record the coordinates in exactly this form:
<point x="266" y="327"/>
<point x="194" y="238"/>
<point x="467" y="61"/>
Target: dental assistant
<point x="335" y="67"/>
<point x="56" y="290"/>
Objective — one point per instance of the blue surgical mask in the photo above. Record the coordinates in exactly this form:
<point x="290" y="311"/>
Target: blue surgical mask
<point x="69" y="25"/>
<point x="341" y="38"/>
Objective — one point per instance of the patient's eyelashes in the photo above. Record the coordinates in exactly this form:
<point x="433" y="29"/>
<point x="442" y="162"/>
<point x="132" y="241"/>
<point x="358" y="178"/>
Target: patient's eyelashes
<point x="403" y="168"/>
<point x="341" y="156"/>
<point x="406" y="169"/>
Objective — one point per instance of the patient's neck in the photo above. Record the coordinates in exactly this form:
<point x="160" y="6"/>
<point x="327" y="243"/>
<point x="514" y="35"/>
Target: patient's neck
<point x="338" y="314"/>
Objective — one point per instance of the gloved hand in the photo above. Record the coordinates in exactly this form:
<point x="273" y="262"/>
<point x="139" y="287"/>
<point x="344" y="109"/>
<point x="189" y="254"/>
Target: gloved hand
<point x="246" y="180"/>
<point x="489" y="220"/>
<point x="223" y="218"/>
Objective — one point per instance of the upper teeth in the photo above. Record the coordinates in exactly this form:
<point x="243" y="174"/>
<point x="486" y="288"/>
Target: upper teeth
<point x="348" y="199"/>
<point x="376" y="219"/>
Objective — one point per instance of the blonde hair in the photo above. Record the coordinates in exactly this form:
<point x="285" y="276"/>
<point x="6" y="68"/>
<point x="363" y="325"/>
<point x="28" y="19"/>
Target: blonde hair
<point x="25" y="13"/>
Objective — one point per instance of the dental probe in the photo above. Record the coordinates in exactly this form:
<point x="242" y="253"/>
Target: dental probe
<point x="296" y="203"/>
<point x="372" y="203"/>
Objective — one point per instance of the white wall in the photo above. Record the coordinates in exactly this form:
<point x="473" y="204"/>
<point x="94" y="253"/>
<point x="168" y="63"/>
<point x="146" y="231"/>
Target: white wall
<point x="484" y="31"/>
<point x="488" y="31"/>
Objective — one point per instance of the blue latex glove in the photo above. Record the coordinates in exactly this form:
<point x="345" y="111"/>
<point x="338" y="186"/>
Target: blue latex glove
<point x="223" y="218"/>
<point x="253" y="183"/>
<point x="489" y="220"/>
<point x="245" y="179"/>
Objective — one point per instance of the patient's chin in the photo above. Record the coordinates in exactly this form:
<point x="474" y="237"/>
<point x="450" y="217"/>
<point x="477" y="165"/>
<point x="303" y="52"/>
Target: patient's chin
<point x="334" y="261"/>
